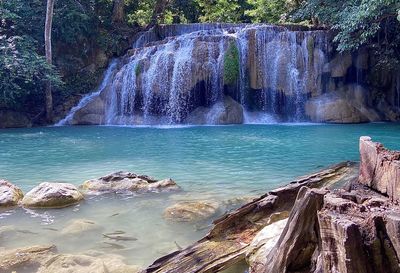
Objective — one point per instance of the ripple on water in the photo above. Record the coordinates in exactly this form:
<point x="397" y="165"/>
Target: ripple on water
<point x="215" y="163"/>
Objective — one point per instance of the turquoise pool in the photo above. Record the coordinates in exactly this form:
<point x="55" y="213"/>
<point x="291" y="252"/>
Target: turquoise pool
<point x="209" y="162"/>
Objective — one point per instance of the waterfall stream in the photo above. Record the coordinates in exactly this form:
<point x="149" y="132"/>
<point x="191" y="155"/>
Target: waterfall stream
<point x="209" y="73"/>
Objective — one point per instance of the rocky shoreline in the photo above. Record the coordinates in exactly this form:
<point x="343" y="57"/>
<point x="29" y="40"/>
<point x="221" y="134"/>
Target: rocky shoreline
<point x="336" y="220"/>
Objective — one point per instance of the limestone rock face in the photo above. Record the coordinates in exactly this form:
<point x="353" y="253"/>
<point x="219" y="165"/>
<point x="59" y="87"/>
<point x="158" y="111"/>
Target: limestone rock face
<point x="52" y="195"/>
<point x="191" y="211"/>
<point x="339" y="65"/>
<point x="333" y="108"/>
<point x="10" y="194"/>
<point x="92" y="113"/>
<point x="380" y="168"/>
<point x="127" y="182"/>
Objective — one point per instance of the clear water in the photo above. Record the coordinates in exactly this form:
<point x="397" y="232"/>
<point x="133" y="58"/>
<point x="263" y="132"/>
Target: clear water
<point x="214" y="162"/>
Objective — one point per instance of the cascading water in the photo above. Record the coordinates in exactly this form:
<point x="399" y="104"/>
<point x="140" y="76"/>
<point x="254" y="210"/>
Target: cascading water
<point x="183" y="74"/>
<point x="89" y="98"/>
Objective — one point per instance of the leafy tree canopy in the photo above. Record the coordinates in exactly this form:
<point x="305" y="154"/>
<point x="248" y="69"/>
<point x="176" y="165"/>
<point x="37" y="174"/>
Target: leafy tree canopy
<point x="374" y="23"/>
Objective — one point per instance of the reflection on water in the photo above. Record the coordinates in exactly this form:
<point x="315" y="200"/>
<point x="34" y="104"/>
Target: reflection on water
<point x="209" y="163"/>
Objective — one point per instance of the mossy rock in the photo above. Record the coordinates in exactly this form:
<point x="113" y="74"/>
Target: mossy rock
<point x="231" y="65"/>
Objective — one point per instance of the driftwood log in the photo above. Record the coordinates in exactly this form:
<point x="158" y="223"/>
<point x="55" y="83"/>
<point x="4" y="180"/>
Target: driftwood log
<point x="229" y="239"/>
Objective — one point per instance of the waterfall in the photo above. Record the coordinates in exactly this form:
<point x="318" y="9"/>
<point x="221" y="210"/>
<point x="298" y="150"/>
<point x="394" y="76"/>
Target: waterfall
<point x="89" y="98"/>
<point x="178" y="73"/>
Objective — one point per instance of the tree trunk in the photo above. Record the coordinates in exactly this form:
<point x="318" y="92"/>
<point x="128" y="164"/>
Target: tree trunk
<point x="47" y="46"/>
<point x="159" y="12"/>
<point x="118" y="11"/>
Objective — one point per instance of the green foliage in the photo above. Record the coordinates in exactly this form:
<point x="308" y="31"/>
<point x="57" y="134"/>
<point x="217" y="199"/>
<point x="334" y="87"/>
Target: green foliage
<point x="360" y="22"/>
<point x="23" y="71"/>
<point x="74" y="22"/>
<point x="231" y="64"/>
<point x="142" y="15"/>
<point x="83" y="28"/>
<point x="227" y="11"/>
<point x="270" y="11"/>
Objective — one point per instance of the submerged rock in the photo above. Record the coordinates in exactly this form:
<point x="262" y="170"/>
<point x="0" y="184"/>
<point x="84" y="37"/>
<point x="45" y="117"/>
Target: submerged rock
<point x="45" y="259"/>
<point x="191" y="211"/>
<point x="67" y="263"/>
<point x="52" y="195"/>
<point x="33" y="257"/>
<point x="6" y="230"/>
<point x="123" y="182"/>
<point x="78" y="226"/>
<point x="235" y="202"/>
<point x="10" y="194"/>
<point x="380" y="168"/>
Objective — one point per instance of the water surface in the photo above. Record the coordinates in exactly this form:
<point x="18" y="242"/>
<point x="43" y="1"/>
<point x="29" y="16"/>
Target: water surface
<point x="213" y="162"/>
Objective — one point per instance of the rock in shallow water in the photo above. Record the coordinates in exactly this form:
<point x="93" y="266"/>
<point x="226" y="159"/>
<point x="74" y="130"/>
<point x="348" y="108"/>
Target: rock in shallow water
<point x="191" y="211"/>
<point x="126" y="182"/>
<point x="10" y="194"/>
<point x="44" y="259"/>
<point x="79" y="226"/>
<point x="25" y="257"/>
<point x="52" y="195"/>
<point x="67" y="263"/>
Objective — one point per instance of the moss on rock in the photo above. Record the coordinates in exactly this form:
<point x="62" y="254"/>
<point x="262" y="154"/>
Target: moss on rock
<point x="231" y="64"/>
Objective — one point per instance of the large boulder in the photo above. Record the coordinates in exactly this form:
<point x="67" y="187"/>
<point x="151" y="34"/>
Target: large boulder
<point x="348" y="104"/>
<point x="10" y="194"/>
<point x="91" y="113"/>
<point x="334" y="108"/>
<point x="127" y="182"/>
<point x="52" y="195"/>
<point x="227" y="111"/>
<point x="191" y="211"/>
<point x="380" y="168"/>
